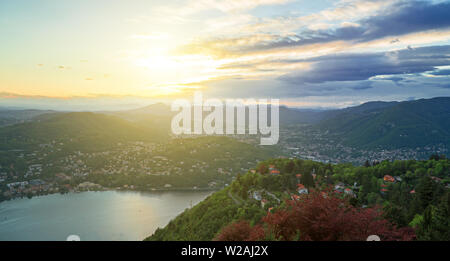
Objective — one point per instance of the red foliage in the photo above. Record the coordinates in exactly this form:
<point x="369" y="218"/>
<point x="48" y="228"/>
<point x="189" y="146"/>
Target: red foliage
<point x="238" y="231"/>
<point x="318" y="218"/>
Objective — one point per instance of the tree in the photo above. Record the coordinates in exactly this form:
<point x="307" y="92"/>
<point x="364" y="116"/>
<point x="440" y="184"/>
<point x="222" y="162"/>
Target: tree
<point x="289" y="168"/>
<point x="238" y="231"/>
<point x="320" y="218"/>
<point x="395" y="213"/>
<point x="434" y="156"/>
<point x="441" y="220"/>
<point x="263" y="169"/>
<point x="435" y="224"/>
<point x="307" y="180"/>
<point x="425" y="192"/>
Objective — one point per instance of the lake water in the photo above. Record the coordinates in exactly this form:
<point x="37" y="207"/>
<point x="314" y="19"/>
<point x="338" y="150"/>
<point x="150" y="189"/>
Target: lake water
<point x="106" y="215"/>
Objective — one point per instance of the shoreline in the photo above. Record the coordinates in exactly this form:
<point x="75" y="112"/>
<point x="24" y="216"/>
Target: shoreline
<point x="118" y="190"/>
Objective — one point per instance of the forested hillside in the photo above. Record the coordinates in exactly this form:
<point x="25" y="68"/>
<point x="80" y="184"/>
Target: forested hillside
<point x="392" y="125"/>
<point x="285" y="199"/>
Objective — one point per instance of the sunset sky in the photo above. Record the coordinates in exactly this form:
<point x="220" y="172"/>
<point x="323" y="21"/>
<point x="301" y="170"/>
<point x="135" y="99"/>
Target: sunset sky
<point x="307" y="53"/>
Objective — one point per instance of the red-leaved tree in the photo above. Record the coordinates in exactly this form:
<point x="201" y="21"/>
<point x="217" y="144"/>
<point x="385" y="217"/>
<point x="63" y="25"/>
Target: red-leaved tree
<point x="319" y="217"/>
<point x="241" y="231"/>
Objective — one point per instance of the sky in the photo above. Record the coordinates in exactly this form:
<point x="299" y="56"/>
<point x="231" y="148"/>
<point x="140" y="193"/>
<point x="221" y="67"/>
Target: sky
<point x="118" y="54"/>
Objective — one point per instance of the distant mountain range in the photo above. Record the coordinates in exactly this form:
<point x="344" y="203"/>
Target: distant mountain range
<point x="391" y="124"/>
<point x="84" y="130"/>
<point x="10" y="116"/>
<point x="381" y="124"/>
<point x="374" y="124"/>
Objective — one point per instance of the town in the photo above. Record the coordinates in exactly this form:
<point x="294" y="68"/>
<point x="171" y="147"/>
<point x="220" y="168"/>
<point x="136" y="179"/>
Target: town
<point x="205" y="163"/>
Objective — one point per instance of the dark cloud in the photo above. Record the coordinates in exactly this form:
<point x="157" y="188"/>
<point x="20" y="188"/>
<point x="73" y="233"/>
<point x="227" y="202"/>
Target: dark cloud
<point x="408" y="17"/>
<point x="395" y="79"/>
<point x="358" y="67"/>
<point x="403" y="18"/>
<point x="445" y="72"/>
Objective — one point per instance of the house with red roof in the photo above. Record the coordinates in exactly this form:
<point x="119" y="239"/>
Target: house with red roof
<point x="302" y="189"/>
<point x="388" y="178"/>
<point x="349" y="192"/>
<point x="275" y="172"/>
<point x="295" y="197"/>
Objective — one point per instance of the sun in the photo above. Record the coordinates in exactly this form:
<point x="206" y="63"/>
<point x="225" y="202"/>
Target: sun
<point x="173" y="74"/>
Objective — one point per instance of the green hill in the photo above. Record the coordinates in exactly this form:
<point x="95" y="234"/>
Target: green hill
<point x="395" y="125"/>
<point x="83" y="130"/>
<point x="404" y="209"/>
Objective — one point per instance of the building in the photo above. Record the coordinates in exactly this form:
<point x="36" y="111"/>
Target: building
<point x="21" y="184"/>
<point x="275" y="172"/>
<point x="339" y="187"/>
<point x="257" y="195"/>
<point x="302" y="189"/>
<point x="349" y="192"/>
<point x="295" y="197"/>
<point x="436" y="179"/>
<point x="264" y="202"/>
<point x="388" y="178"/>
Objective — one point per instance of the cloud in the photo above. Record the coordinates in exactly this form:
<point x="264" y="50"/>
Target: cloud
<point x="402" y="18"/>
<point x="195" y="6"/>
<point x="407" y="17"/>
<point x="445" y="72"/>
<point x="152" y="36"/>
<point x="358" y="67"/>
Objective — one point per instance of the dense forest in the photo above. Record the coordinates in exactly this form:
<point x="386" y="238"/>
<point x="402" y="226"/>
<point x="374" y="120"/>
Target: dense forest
<point x="293" y="199"/>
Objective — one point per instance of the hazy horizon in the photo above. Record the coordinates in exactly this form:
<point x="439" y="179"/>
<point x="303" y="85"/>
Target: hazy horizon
<point x="123" y="105"/>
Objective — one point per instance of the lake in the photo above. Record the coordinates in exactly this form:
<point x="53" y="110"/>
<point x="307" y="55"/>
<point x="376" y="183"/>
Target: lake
<point x="105" y="215"/>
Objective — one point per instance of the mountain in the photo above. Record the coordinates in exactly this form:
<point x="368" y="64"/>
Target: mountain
<point x="157" y="115"/>
<point x="13" y="116"/>
<point x="153" y="109"/>
<point x="370" y="125"/>
<point x="392" y="125"/>
<point x="81" y="129"/>
<point x="300" y="116"/>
